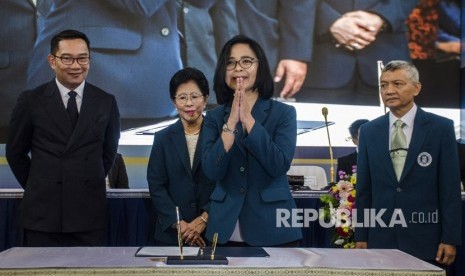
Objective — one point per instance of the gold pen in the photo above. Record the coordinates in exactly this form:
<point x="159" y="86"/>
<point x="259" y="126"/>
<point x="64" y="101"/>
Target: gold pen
<point x="215" y="240"/>
<point x="178" y="228"/>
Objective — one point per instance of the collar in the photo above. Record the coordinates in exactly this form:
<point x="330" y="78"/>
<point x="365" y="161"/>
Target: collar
<point x="64" y="91"/>
<point x="408" y="118"/>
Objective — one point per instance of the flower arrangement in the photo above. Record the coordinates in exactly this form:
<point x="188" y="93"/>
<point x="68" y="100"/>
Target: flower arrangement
<point x="337" y="207"/>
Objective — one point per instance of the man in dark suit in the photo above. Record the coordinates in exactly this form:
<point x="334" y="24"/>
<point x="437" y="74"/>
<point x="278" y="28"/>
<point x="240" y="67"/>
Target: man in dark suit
<point x="346" y="163"/>
<point x="349" y="38"/>
<point x="408" y="175"/>
<point x="136" y="44"/>
<point x="204" y="31"/>
<point x="62" y="143"/>
<point x="284" y="28"/>
<point x="18" y="33"/>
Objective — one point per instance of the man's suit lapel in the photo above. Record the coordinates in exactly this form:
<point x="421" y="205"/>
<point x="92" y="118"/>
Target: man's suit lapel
<point x="56" y="109"/>
<point x="420" y="130"/>
<point x="180" y="144"/>
<point x="383" y="145"/>
<point x="89" y="108"/>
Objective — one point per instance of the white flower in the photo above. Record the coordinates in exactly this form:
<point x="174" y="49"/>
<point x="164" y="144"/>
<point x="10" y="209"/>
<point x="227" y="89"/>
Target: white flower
<point x="332" y="213"/>
<point x="339" y="242"/>
<point x="344" y="204"/>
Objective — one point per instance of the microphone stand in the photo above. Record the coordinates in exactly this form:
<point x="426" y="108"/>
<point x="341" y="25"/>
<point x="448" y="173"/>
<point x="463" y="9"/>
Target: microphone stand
<point x="380" y="69"/>
<point x="324" y="111"/>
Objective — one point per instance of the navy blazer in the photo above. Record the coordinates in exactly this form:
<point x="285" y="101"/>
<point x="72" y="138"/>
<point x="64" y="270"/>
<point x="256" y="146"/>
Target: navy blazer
<point x="172" y="181"/>
<point x="205" y="31"/>
<point x="18" y="33"/>
<point x="251" y="180"/>
<point x="429" y="184"/>
<point x="134" y="48"/>
<point x="333" y="67"/>
<point x="283" y="28"/>
<point x="64" y="175"/>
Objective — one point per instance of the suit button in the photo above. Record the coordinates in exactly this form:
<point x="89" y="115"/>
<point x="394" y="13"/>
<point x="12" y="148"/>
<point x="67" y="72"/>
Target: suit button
<point x="165" y="31"/>
<point x="241" y="169"/>
<point x="399" y="190"/>
<point x="185" y="10"/>
<point x="242" y="190"/>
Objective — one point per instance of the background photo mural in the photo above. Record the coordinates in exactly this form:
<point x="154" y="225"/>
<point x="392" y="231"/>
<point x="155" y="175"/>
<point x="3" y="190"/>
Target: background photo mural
<point x="136" y="46"/>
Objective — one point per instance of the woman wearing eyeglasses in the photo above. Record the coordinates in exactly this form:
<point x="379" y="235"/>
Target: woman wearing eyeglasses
<point x="174" y="173"/>
<point x="248" y="147"/>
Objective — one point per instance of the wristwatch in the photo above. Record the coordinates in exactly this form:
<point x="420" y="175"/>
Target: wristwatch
<point x="226" y="129"/>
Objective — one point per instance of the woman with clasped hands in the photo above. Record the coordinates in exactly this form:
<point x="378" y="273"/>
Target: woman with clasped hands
<point x="248" y="146"/>
<point x="174" y="173"/>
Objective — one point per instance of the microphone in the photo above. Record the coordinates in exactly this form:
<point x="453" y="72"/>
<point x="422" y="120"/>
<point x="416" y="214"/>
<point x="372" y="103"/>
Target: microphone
<point x="324" y="111"/>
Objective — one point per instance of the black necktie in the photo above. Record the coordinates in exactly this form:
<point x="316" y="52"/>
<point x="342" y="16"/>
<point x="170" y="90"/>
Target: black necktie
<point x="72" y="108"/>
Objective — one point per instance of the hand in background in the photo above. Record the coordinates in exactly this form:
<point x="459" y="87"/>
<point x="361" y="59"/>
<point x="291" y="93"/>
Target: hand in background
<point x="369" y="21"/>
<point x="294" y="72"/>
<point x="452" y="47"/>
<point x="356" y="30"/>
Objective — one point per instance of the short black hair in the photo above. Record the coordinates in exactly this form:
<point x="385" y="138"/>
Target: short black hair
<point x="353" y="128"/>
<point x="189" y="74"/>
<point x="66" y="35"/>
<point x="263" y="82"/>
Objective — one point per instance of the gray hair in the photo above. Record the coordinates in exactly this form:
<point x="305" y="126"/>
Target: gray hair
<point x="411" y="70"/>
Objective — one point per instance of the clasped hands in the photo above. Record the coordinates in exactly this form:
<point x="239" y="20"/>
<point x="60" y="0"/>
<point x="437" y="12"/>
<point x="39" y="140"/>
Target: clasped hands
<point x="356" y="30"/>
<point x="191" y="232"/>
<point x="241" y="110"/>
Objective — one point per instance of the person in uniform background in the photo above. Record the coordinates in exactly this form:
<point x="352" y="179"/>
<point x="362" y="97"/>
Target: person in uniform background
<point x="135" y="46"/>
<point x="346" y="163"/>
<point x="284" y="28"/>
<point x="203" y="32"/>
<point x="349" y="38"/>
<point x="18" y="33"/>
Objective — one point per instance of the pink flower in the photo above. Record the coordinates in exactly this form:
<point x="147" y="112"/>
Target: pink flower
<point x="344" y="186"/>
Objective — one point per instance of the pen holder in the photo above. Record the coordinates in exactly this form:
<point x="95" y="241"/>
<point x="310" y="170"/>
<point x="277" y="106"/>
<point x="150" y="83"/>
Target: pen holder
<point x="197" y="260"/>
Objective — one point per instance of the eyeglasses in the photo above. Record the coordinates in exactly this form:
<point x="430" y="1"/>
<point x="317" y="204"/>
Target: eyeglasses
<point x="245" y="63"/>
<point x="183" y="98"/>
<point x="70" y="60"/>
